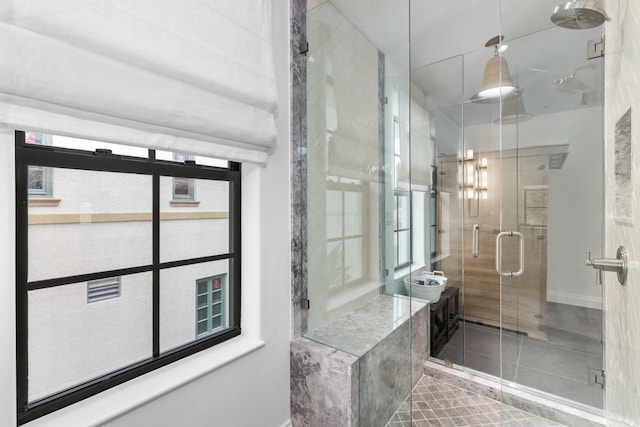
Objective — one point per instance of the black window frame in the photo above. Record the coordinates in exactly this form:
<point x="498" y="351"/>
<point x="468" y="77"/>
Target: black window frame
<point x="101" y="160"/>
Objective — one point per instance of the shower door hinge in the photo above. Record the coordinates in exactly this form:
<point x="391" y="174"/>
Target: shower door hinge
<point x="385" y="100"/>
<point x="305" y="304"/>
<point x="303" y="48"/>
<point x="597" y="376"/>
<point x="595" y="48"/>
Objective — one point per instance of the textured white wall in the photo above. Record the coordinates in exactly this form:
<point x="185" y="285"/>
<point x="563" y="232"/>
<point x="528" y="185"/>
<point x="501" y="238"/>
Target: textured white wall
<point x="71" y="341"/>
<point x="622" y="325"/>
<point x="59" y="250"/>
<point x="183" y="239"/>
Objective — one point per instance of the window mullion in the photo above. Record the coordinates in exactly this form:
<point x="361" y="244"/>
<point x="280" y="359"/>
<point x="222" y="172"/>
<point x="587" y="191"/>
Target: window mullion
<point x="156" y="260"/>
<point x="22" y="297"/>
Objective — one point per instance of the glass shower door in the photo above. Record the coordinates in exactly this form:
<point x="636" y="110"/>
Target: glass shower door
<point x="551" y="213"/>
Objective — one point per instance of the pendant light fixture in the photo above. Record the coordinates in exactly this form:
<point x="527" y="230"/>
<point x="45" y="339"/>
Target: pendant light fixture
<point x="496" y="82"/>
<point x="513" y="111"/>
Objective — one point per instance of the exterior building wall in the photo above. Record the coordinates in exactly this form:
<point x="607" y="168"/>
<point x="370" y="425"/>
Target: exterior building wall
<point x="178" y="298"/>
<point x="72" y="341"/>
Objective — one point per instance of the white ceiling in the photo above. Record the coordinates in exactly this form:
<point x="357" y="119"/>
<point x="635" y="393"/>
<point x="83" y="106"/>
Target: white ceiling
<point x="448" y="56"/>
<point x="538" y="54"/>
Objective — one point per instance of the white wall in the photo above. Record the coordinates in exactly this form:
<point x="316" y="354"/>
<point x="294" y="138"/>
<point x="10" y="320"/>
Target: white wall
<point x="252" y="390"/>
<point x="575" y="213"/>
<point x="622" y="303"/>
<point x="7" y="281"/>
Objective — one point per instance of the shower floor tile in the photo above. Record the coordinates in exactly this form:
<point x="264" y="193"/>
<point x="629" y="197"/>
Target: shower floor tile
<point x="559" y="366"/>
<point x="436" y="403"/>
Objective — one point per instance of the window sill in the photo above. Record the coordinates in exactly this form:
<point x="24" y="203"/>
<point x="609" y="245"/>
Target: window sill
<point x="112" y="403"/>
<point x="399" y="274"/>
<point x="184" y="203"/>
<point x="44" y="202"/>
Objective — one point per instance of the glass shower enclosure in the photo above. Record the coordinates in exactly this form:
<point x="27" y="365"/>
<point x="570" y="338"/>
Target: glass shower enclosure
<point x="356" y="195"/>
<point x="408" y="167"/>
<point x="520" y="199"/>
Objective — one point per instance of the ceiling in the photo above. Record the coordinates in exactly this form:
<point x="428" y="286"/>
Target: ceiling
<point x="448" y="55"/>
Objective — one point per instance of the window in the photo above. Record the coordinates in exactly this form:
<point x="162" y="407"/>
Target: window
<point x="107" y="290"/>
<point x="210" y="305"/>
<point x="39" y="181"/>
<point x="183" y="187"/>
<point x="346" y="232"/>
<point x="402" y="229"/>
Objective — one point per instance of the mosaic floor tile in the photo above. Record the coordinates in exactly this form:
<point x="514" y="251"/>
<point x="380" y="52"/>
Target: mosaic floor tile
<point x="435" y="403"/>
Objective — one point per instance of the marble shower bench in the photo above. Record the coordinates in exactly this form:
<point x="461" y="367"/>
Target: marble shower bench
<point x="358" y="368"/>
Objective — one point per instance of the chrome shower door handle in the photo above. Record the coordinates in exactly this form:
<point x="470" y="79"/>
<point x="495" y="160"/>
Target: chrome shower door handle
<point x="499" y="254"/>
<point x="475" y="241"/>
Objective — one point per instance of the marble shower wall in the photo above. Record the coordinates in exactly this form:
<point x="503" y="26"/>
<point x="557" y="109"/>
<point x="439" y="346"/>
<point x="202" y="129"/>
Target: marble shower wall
<point x="324" y="385"/>
<point x="367" y="382"/>
<point x="298" y="165"/>
<point x="622" y="303"/>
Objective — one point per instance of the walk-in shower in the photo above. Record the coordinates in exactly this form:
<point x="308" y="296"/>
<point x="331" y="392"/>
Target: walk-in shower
<point x="402" y="172"/>
<point x="531" y="312"/>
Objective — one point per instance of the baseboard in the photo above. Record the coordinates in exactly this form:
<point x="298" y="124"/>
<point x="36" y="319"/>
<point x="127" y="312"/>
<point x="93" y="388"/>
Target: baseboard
<point x="574" y="299"/>
<point x="287" y="424"/>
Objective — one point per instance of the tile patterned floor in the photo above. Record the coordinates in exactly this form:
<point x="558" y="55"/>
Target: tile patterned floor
<point x="435" y="403"/>
<point x="559" y="366"/>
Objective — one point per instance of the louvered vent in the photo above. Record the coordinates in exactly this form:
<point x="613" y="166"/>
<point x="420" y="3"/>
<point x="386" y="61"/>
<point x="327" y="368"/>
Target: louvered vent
<point x="99" y="290"/>
<point x="556" y="160"/>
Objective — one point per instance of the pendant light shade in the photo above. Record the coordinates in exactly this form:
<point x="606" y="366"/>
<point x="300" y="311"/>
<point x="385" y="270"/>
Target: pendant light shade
<point x="496" y="82"/>
<point x="513" y="111"/>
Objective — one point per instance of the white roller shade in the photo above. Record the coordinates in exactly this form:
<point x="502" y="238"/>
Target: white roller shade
<point x="194" y="76"/>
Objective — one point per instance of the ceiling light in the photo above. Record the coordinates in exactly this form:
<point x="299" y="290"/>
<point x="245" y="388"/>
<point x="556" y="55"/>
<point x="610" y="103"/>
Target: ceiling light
<point x="513" y="111"/>
<point x="496" y="82"/>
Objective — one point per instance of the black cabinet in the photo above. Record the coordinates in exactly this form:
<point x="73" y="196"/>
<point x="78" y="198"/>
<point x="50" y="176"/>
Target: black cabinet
<point x="445" y="319"/>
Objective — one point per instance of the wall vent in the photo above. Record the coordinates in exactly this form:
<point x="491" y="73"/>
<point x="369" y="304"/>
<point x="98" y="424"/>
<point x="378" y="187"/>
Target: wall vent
<point x="103" y="289"/>
<point x="556" y="160"/>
